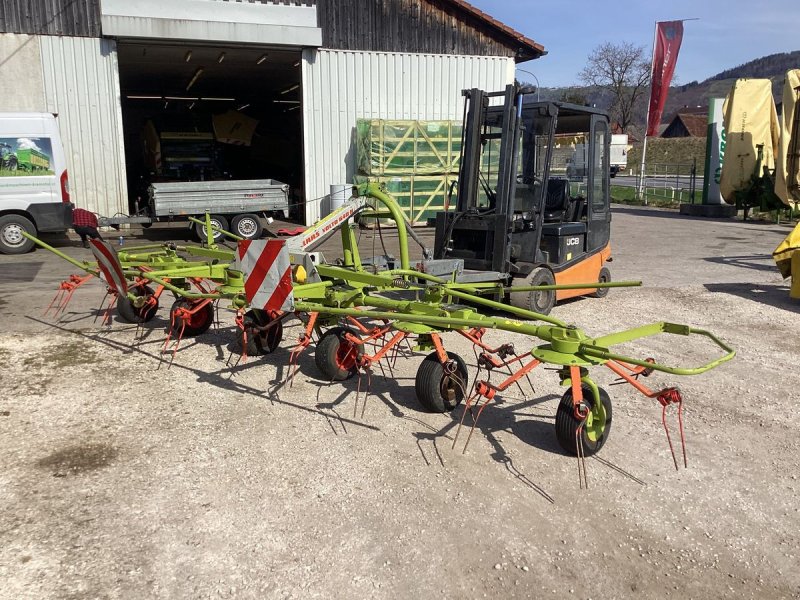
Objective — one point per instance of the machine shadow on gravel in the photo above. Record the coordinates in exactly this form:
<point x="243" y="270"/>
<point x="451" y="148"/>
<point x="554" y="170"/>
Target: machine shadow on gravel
<point x="771" y="295"/>
<point x="755" y="262"/>
<point x="220" y="379"/>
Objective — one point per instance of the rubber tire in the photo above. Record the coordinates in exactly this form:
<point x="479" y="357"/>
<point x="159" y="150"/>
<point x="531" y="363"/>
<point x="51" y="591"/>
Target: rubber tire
<point x="327" y="356"/>
<point x="19" y="222"/>
<point x="130" y="314"/>
<point x="216" y="221"/>
<point x="603" y="277"/>
<point x="567" y="424"/>
<point x="539" y="302"/>
<point x="252" y="224"/>
<point x="429" y="380"/>
<point x="192" y="329"/>
<point x="260" y="343"/>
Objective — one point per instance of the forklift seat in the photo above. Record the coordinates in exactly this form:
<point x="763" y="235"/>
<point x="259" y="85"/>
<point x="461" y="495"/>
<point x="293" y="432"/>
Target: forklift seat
<point x="557" y="201"/>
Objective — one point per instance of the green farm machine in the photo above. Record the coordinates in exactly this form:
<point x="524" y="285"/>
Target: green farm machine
<point x="358" y="318"/>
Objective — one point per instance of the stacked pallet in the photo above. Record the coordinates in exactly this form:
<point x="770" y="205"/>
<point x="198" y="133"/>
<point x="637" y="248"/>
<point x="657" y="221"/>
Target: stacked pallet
<point x="415" y="160"/>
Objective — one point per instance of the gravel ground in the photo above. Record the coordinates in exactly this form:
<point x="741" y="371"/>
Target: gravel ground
<point x="123" y="478"/>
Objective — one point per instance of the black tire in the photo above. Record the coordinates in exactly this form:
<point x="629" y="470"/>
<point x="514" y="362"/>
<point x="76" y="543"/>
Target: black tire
<point x="129" y="313"/>
<point x="604" y="277"/>
<point x="198" y="324"/>
<point x="216" y="221"/>
<point x="595" y="433"/>
<point x="11" y="239"/>
<point x="260" y="342"/>
<point x="247" y="226"/>
<point x="335" y="357"/>
<point x="436" y="390"/>
<point x="539" y="302"/>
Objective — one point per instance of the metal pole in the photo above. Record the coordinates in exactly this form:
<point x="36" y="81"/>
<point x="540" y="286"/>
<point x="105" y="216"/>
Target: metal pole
<point x="535" y="77"/>
<point x="647" y="120"/>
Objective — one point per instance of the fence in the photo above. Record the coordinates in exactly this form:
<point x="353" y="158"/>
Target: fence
<point x="675" y="182"/>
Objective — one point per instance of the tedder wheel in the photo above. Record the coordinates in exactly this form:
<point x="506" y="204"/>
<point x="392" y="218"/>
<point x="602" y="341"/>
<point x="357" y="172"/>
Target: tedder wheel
<point x="604" y="277"/>
<point x="129" y="313"/>
<point x="247" y="226"/>
<point x="541" y="302"/>
<point x="261" y="342"/>
<point x="437" y="389"/>
<point x="596" y="428"/>
<point x="337" y="357"/>
<point x="11" y="239"/>
<point x="198" y="323"/>
<point x="216" y="221"/>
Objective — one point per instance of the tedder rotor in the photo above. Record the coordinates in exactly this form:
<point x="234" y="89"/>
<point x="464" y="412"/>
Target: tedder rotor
<point x="365" y="316"/>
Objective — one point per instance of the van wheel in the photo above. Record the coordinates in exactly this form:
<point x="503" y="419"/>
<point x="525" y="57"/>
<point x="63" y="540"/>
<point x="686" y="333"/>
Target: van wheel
<point x="247" y="226"/>
<point x="11" y="239"/>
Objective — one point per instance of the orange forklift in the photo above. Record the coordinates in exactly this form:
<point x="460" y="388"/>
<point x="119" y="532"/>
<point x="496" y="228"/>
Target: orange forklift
<point x="523" y="213"/>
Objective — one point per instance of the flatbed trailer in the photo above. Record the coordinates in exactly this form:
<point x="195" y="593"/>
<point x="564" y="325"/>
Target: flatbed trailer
<point x="235" y="205"/>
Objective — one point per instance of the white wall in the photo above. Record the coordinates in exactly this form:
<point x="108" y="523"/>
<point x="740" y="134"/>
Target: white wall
<point x="340" y="87"/>
<point x="81" y="85"/>
<point x="21" y="85"/>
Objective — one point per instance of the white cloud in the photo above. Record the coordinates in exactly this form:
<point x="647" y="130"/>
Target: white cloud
<point x="27" y="143"/>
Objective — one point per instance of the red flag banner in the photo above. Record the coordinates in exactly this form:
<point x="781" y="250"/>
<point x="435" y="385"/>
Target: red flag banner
<point x="669" y="35"/>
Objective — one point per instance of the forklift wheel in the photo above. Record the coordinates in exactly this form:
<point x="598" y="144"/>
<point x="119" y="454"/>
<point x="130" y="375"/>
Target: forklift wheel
<point x="605" y="277"/>
<point x="539" y="302"/>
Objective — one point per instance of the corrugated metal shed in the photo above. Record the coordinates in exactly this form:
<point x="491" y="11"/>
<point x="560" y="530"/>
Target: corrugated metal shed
<point x="340" y="87"/>
<point x="81" y="84"/>
<point x="78" y="18"/>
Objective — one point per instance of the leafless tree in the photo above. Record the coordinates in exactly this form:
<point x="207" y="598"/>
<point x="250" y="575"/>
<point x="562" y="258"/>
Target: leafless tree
<point x="624" y="70"/>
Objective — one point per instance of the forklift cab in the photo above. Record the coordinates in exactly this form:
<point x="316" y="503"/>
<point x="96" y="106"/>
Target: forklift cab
<point x="524" y="210"/>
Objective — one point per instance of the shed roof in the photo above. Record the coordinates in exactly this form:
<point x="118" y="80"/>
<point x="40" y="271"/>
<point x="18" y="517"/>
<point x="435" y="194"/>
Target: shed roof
<point x="530" y="48"/>
<point x="694" y="124"/>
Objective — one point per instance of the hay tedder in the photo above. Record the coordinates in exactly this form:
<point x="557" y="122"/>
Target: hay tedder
<point x="364" y="316"/>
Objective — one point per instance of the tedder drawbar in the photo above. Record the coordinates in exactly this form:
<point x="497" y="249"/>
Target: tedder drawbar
<point x="363" y="315"/>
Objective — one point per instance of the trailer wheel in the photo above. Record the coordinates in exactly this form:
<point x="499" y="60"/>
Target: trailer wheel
<point x="129" y="313"/>
<point x="539" y="302"/>
<point x="261" y="342"/>
<point x="595" y="430"/>
<point x="198" y="323"/>
<point x="336" y="357"/>
<point x="604" y="277"/>
<point x="440" y="388"/>
<point x="247" y="226"/>
<point x="216" y="221"/>
<point x="11" y="239"/>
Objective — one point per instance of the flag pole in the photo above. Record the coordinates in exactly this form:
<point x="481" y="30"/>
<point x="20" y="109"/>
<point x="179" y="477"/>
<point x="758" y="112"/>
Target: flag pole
<point x="642" y="195"/>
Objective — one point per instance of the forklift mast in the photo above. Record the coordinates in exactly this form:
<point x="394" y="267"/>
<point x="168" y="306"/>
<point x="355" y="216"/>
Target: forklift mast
<point x="509" y="195"/>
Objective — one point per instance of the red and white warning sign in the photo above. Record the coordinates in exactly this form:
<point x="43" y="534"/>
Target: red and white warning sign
<point x="267" y="274"/>
<point x="110" y="267"/>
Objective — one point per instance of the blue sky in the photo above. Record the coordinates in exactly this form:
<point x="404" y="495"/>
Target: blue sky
<point x="728" y="33"/>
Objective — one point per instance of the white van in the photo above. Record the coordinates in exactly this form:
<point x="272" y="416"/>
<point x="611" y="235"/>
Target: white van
<point x="34" y="185"/>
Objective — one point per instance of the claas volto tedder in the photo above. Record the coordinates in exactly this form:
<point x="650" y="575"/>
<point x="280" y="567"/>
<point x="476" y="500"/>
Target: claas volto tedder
<point x="365" y="317"/>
